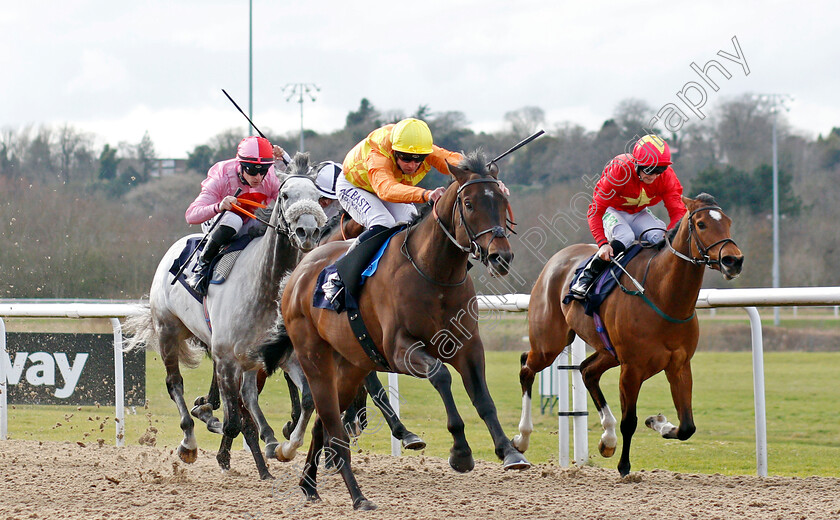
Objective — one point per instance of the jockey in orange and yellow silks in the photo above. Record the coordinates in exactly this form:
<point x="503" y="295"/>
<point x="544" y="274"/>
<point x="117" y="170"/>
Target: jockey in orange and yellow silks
<point x="381" y="174"/>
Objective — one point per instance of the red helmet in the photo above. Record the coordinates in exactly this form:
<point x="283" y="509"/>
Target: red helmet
<point x="652" y="150"/>
<point x="255" y="150"/>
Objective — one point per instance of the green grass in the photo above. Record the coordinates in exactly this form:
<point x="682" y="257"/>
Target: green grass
<point x="803" y="428"/>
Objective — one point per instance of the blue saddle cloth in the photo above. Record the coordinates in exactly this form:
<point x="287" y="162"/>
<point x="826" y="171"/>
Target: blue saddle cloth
<point x="344" y="299"/>
<point x="192" y="243"/>
<point x="604" y="284"/>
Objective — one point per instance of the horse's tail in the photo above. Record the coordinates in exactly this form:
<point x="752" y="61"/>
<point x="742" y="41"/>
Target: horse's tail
<point x="140" y="332"/>
<point x="276" y="351"/>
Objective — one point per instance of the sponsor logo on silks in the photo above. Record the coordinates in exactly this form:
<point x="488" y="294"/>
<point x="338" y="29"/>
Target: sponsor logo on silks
<point x="42" y="370"/>
<point x="655" y="140"/>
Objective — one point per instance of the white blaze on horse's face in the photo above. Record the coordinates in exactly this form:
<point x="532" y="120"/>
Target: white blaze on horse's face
<point x="715" y="215"/>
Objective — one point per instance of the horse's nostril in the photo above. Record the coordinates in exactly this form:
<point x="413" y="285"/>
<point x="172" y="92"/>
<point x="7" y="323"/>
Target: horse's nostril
<point x="300" y="233"/>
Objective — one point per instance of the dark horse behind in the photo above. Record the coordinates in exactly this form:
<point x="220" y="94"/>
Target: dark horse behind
<point x="650" y="332"/>
<point x="420" y="312"/>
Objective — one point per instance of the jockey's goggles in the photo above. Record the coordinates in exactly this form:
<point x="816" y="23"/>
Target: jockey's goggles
<point x="253" y="169"/>
<point x="652" y="170"/>
<point x="410" y="157"/>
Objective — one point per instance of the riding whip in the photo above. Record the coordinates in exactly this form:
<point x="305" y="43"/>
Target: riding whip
<point x="517" y="146"/>
<point x="243" y="113"/>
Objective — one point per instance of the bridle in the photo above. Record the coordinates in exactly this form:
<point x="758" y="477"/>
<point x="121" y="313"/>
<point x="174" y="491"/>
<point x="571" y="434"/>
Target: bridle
<point x="474" y="249"/>
<point x="704" y="258"/>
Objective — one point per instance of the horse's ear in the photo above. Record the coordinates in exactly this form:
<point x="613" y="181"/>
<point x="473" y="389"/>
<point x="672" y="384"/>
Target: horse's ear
<point x="493" y="169"/>
<point x="460" y="175"/>
<point x="281" y="176"/>
<point x="687" y="200"/>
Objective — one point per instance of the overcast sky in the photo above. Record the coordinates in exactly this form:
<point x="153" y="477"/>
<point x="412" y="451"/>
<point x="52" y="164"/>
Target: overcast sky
<point x="118" y="69"/>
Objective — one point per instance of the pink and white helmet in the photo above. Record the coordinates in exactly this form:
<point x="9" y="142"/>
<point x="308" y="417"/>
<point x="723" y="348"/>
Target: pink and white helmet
<point x="255" y="150"/>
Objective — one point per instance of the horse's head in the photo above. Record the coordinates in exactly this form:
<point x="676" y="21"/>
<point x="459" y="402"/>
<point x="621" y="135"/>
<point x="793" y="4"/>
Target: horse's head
<point x="297" y="212"/>
<point x="708" y="237"/>
<point x="479" y="212"/>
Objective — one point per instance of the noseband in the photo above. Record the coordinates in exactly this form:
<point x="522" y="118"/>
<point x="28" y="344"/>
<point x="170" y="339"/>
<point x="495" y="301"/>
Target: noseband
<point x="704" y="258"/>
<point x="474" y="249"/>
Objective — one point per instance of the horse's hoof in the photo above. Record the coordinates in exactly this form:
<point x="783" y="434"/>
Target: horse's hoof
<point x="412" y="441"/>
<point x="364" y="505"/>
<point x="462" y="463"/>
<point x="288" y="429"/>
<point x="311" y="494"/>
<point x="515" y="460"/>
<point x="285" y="453"/>
<point x="266" y="476"/>
<point x="520" y="443"/>
<point x="200" y="400"/>
<point x="606" y="451"/>
<point x="270" y="450"/>
<point x="187" y="455"/>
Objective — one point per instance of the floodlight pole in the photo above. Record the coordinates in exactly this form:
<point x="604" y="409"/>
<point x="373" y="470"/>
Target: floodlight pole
<point x="300" y="90"/>
<point x="250" y="66"/>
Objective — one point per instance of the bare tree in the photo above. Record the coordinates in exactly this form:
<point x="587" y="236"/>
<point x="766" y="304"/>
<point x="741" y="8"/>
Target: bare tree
<point x="525" y="121"/>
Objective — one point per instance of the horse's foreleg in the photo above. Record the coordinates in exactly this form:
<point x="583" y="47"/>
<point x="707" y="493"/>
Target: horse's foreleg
<point x="591" y="370"/>
<point x="681" y="387"/>
<point x="409" y="440"/>
<point x="629" y="384"/>
<point x="470" y="364"/>
<point x="249" y="431"/>
<point x="204" y="406"/>
<point x="531" y="363"/>
<point x="295" y="400"/>
<point x="228" y="376"/>
<point x="250" y="395"/>
<point x="188" y="449"/>
<point x="417" y="362"/>
<point x="288" y="450"/>
<point x="354" y="417"/>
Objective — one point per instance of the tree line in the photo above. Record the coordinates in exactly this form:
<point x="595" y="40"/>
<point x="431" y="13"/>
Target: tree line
<point x="102" y="212"/>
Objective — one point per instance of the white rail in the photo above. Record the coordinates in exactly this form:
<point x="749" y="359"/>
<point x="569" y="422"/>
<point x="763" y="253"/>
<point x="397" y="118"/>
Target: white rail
<point x="749" y="299"/>
<point x="113" y="311"/>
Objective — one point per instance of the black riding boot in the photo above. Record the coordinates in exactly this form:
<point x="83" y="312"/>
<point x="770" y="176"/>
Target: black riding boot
<point x="366" y="234"/>
<point x="591" y="272"/>
<point x="220" y="236"/>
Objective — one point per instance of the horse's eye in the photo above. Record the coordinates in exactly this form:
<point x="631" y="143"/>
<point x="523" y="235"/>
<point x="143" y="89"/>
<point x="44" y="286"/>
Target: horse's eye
<point x="701" y="225"/>
<point x="468" y="204"/>
<point x="284" y="196"/>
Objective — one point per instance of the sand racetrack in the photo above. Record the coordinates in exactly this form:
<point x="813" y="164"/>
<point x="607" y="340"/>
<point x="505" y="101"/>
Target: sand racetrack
<point x="66" y="480"/>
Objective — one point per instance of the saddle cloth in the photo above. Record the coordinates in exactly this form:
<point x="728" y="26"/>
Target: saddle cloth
<point x="220" y="267"/>
<point x="349" y="272"/>
<point x="605" y="283"/>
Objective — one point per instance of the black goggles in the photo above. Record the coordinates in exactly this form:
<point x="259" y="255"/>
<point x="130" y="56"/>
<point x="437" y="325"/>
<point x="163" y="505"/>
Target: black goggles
<point x="652" y="170"/>
<point x="253" y="169"/>
<point x="410" y="157"/>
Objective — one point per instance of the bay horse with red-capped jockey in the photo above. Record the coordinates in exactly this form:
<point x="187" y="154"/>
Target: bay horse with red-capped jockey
<point x="650" y="331"/>
<point x="420" y="299"/>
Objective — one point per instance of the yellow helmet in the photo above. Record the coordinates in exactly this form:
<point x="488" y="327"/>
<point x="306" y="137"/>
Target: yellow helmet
<point x="412" y="136"/>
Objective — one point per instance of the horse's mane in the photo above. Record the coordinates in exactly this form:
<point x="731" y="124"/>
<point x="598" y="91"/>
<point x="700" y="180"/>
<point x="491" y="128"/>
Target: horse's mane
<point x="475" y="161"/>
<point x="300" y="164"/>
<point x="705" y="198"/>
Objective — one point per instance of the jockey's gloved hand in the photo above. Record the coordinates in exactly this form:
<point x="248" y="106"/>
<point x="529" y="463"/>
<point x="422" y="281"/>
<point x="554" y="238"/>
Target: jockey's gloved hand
<point x="435" y="194"/>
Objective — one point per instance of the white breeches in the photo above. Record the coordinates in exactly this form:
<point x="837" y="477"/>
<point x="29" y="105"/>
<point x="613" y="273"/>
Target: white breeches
<point x="627" y="227"/>
<point x="369" y="210"/>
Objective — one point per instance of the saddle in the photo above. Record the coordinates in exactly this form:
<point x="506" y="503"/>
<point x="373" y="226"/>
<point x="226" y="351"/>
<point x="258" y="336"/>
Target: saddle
<point x="604" y="284"/>
<point x="219" y="268"/>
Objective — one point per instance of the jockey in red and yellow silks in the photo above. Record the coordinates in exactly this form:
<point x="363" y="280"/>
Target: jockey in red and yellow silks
<point x="619" y="214"/>
<point x="381" y="174"/>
